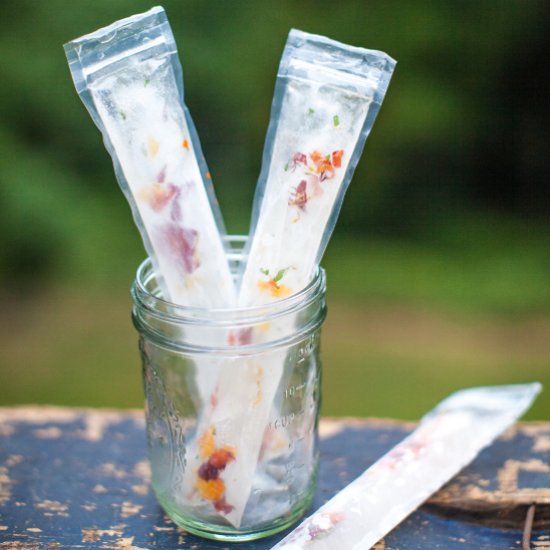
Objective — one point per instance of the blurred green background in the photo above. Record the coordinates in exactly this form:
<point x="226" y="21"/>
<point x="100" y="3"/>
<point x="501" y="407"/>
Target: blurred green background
<point x="439" y="269"/>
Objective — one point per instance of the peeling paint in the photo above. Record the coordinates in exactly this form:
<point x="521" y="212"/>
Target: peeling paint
<point x="52" y="432"/>
<point x="508" y="475"/>
<point x="125" y="542"/>
<point x="140" y="489"/>
<point x="93" y="535"/>
<point x="143" y="469"/>
<point x="52" y="507"/>
<point x="129" y="509"/>
<point x="542" y="444"/>
<point x="13" y="460"/>
<point x="6" y="430"/>
<point x="5" y="486"/>
<point x="17" y="545"/>
<point x="96" y="421"/>
<point x="110" y="469"/>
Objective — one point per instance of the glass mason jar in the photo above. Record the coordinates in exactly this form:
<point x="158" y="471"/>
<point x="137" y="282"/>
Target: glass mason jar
<point x="232" y="407"/>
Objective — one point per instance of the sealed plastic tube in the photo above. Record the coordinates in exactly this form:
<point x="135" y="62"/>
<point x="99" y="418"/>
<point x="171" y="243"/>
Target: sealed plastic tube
<point x="448" y="438"/>
<point x="129" y="77"/>
<point x="327" y="96"/>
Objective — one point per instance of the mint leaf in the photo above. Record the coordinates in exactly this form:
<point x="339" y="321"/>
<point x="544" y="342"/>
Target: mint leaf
<point x="280" y="275"/>
<point x="336" y="120"/>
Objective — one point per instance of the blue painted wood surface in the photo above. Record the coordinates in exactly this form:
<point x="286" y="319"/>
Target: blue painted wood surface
<point x="79" y="479"/>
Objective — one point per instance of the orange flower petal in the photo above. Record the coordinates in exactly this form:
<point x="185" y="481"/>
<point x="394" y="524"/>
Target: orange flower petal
<point x="282" y="291"/>
<point x="315" y="157"/>
<point x="212" y="489"/>
<point x="207" y="445"/>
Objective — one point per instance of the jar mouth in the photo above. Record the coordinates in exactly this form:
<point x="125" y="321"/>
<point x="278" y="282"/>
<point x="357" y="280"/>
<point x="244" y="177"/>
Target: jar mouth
<point x="146" y="294"/>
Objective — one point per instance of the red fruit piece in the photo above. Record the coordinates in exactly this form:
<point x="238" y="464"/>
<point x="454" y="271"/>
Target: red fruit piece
<point x="245" y="336"/>
<point x="181" y="243"/>
<point x="298" y="158"/>
<point x="221" y="506"/>
<point x="208" y="472"/>
<point x="220" y="458"/>
<point x="299" y="196"/>
<point x="161" y="176"/>
<point x="158" y="195"/>
<point x="337" y="158"/>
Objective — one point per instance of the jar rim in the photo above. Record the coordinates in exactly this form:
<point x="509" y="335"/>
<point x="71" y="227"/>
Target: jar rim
<point x="165" y="309"/>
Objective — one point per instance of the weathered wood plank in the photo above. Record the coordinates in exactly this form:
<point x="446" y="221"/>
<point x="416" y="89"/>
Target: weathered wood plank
<point x="73" y="478"/>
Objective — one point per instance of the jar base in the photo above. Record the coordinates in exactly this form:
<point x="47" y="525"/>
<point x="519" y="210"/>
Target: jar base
<point x="231" y="534"/>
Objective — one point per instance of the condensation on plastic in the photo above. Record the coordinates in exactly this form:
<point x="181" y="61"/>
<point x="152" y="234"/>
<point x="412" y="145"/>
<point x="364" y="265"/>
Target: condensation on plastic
<point x="101" y="63"/>
<point x="448" y="438"/>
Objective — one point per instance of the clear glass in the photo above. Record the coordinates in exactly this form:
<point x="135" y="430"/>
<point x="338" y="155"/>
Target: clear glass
<point x="184" y="352"/>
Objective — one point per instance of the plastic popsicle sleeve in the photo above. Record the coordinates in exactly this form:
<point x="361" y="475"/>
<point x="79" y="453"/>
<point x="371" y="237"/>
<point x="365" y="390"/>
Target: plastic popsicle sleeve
<point x="327" y="96"/>
<point x="447" y="439"/>
<point x="129" y="77"/>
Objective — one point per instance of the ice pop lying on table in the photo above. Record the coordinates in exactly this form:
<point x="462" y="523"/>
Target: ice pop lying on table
<point x="326" y="99"/>
<point x="129" y="77"/>
<point x="448" y="438"/>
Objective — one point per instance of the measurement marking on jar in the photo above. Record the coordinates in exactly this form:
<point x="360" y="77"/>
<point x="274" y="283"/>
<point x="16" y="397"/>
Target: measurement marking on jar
<point x="285" y="420"/>
<point x="293" y="390"/>
<point x="305" y="351"/>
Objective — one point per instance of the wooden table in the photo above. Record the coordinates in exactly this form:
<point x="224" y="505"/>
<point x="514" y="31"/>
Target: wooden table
<point x="72" y="478"/>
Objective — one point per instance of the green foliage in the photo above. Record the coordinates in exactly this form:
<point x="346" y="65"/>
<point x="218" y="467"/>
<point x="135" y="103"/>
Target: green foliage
<point x="422" y="162"/>
<point x="469" y="269"/>
<point x="447" y="211"/>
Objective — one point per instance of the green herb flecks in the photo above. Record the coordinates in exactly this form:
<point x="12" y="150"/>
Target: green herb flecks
<point x="280" y="275"/>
